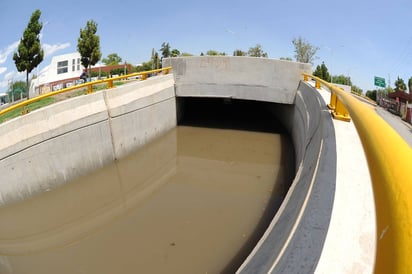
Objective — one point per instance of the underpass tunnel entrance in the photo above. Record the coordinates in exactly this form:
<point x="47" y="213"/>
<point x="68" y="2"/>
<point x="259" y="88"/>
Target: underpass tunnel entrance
<point x="229" y="113"/>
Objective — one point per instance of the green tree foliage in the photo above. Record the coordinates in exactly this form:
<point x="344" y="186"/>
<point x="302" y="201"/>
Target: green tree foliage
<point x="286" y="58"/>
<point x="371" y="94"/>
<point x="215" y="53"/>
<point x="304" y="51"/>
<point x="88" y="45"/>
<point x="112" y="59"/>
<point x="341" y="79"/>
<point x="322" y="72"/>
<point x="29" y="52"/>
<point x="257" y="51"/>
<point x="400" y="85"/>
<point x="145" y="66"/>
<point x="175" y="53"/>
<point x="155" y="60"/>
<point x="239" y="52"/>
<point x="165" y="50"/>
<point x="357" y="90"/>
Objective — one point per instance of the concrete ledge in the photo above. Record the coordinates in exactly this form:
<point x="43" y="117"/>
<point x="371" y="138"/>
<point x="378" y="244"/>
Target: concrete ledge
<point x="58" y="143"/>
<point x="294" y="240"/>
<point x="258" y="79"/>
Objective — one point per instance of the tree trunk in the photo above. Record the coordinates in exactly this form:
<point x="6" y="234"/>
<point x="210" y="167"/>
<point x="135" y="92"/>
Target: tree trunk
<point x="27" y="85"/>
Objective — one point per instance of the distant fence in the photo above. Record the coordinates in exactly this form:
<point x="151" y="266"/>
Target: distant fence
<point x="88" y="86"/>
<point x="389" y="159"/>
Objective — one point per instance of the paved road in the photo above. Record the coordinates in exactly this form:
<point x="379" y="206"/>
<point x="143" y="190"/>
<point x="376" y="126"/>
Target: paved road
<point x="403" y="128"/>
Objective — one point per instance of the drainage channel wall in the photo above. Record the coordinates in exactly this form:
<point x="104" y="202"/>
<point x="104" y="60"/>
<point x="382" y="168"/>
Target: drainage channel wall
<point x="294" y="240"/>
<point x="63" y="141"/>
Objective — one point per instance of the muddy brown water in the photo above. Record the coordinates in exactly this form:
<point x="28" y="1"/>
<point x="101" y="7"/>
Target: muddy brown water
<point x="195" y="200"/>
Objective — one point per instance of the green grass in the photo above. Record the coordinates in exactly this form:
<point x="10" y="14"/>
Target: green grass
<point x="17" y="112"/>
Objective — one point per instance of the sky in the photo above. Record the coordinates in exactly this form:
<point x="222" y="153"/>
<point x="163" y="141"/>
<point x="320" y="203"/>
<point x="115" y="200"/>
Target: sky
<point x="357" y="38"/>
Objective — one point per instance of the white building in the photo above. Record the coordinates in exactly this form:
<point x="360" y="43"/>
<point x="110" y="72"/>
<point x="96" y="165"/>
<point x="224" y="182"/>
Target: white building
<point x="63" y="71"/>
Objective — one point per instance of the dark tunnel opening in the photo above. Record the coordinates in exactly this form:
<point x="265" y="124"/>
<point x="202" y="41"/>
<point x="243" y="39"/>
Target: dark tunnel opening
<point x="228" y="113"/>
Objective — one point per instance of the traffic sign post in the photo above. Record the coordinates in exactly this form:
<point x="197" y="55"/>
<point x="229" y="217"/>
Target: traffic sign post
<point x="380" y="82"/>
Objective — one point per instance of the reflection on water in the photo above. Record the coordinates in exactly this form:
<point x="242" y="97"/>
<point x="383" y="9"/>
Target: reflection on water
<point x="193" y="201"/>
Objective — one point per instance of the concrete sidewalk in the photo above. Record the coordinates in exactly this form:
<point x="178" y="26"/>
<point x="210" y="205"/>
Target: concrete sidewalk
<point x="350" y="242"/>
<point x="403" y="128"/>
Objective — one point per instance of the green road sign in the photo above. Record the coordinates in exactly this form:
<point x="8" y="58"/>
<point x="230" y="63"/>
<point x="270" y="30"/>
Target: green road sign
<point x="380" y="82"/>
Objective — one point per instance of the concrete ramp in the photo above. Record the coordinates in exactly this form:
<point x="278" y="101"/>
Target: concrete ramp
<point x="258" y="79"/>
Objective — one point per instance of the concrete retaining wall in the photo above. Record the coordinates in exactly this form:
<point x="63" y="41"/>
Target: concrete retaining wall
<point x="258" y="79"/>
<point x="291" y="243"/>
<point x="58" y="143"/>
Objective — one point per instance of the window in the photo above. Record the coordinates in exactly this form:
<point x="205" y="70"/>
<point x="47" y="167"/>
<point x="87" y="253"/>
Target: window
<point x="62" y="67"/>
<point x="78" y="64"/>
<point x="73" y="64"/>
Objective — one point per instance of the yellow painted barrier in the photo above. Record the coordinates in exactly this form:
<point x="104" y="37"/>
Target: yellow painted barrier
<point x="88" y="86"/>
<point x="389" y="159"/>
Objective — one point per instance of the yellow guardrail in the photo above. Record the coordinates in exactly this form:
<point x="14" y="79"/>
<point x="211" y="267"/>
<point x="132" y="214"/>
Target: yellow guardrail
<point x="389" y="159"/>
<point x="88" y="85"/>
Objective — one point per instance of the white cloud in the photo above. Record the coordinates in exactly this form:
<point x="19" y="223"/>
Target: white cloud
<point x="2" y="70"/>
<point x="50" y="49"/>
<point x="4" y="53"/>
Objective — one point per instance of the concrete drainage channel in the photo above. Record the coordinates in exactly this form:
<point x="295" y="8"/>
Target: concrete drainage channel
<point x="92" y="131"/>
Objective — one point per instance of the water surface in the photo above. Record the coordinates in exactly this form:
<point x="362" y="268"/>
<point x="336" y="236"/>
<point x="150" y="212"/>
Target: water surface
<point x="195" y="200"/>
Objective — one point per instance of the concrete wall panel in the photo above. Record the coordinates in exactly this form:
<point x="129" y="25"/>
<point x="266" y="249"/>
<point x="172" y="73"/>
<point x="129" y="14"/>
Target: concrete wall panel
<point x="259" y="79"/>
<point x="135" y="129"/>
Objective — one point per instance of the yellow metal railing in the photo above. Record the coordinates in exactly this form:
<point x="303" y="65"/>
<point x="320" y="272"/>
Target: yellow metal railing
<point x="88" y="85"/>
<point x="389" y="159"/>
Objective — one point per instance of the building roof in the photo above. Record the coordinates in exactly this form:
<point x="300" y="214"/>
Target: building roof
<point x="403" y="96"/>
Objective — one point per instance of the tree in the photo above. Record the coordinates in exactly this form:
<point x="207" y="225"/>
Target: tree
<point x="145" y="66"/>
<point x="304" y="52"/>
<point x="155" y="59"/>
<point x="410" y="85"/>
<point x="29" y="52"/>
<point x="286" y="58"/>
<point x="215" y="53"/>
<point x="165" y="50"/>
<point x="88" y="45"/>
<point x="322" y="72"/>
<point x="342" y="79"/>
<point x="257" y="51"/>
<point x="400" y="85"/>
<point x="358" y="90"/>
<point x="239" y="52"/>
<point x="112" y="59"/>
<point x="175" y="53"/>
<point x="371" y="94"/>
